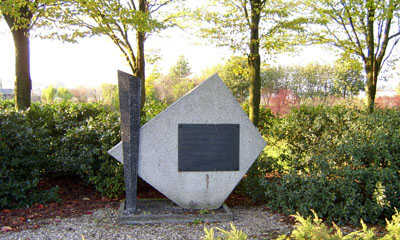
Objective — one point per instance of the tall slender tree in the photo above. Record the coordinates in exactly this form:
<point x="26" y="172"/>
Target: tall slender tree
<point x="248" y="26"/>
<point x="369" y="29"/>
<point x="121" y="20"/>
<point x="22" y="16"/>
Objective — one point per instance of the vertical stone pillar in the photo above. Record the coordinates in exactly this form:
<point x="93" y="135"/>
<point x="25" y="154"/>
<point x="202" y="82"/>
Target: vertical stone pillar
<point x="129" y="98"/>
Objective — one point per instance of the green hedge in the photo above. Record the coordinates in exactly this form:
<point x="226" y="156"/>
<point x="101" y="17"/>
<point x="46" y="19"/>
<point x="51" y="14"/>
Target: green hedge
<point x="340" y="161"/>
<point x="22" y="153"/>
<point x="60" y="139"/>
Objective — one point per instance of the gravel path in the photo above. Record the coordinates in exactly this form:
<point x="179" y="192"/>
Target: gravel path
<point x="255" y="221"/>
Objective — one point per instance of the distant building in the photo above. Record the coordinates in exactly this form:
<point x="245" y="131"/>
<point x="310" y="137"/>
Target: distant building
<point x="6" y="93"/>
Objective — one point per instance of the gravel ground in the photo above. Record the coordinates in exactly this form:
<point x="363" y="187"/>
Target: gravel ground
<point x="255" y="221"/>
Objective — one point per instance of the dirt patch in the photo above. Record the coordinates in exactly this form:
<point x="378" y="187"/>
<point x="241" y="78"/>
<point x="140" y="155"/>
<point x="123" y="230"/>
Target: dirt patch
<point x="77" y="199"/>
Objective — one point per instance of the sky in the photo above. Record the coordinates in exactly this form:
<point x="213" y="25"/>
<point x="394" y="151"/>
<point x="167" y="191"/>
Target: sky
<point x="96" y="60"/>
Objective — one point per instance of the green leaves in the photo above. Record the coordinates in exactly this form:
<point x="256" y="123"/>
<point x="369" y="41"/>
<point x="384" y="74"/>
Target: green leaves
<point x="31" y="14"/>
<point x="22" y="153"/>
<point x="60" y="139"/>
<point x="339" y="161"/>
<point x="107" y="16"/>
<point x="368" y="29"/>
<point x="228" y="23"/>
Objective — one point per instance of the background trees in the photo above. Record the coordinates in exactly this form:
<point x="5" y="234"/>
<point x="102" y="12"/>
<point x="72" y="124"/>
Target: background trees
<point x="50" y="94"/>
<point x="250" y="25"/>
<point x="234" y="72"/>
<point x="348" y="78"/>
<point x="367" y="29"/>
<point x="110" y="95"/>
<point x="176" y="83"/>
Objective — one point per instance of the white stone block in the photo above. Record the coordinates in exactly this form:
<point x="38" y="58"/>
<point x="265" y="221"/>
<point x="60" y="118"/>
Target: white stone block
<point x="209" y="103"/>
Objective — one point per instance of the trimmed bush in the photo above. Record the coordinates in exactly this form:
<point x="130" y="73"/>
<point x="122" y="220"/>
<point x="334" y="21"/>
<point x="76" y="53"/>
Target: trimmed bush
<point x="22" y="153"/>
<point x="62" y="139"/>
<point x="343" y="196"/>
<point x="340" y="161"/>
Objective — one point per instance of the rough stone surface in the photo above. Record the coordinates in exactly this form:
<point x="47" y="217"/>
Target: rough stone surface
<point x="129" y="98"/>
<point x="209" y="103"/>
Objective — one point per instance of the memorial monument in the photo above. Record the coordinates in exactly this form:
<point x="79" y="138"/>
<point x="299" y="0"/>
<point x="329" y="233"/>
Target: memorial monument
<point x="195" y="152"/>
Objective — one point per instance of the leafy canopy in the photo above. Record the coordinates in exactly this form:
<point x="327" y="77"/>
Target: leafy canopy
<point x="227" y="23"/>
<point x="367" y="29"/>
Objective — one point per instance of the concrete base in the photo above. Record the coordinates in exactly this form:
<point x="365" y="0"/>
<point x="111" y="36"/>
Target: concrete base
<point x="156" y="211"/>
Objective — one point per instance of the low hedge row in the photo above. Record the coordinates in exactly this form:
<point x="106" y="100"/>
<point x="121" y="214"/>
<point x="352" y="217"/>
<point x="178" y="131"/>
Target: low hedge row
<point x="340" y="161"/>
<point x="60" y="139"/>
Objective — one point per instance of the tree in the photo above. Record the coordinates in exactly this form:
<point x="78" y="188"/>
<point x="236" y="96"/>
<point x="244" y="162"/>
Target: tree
<point x="64" y="94"/>
<point x="348" y="78"/>
<point x="369" y="29"/>
<point x="80" y="93"/>
<point x="181" y="69"/>
<point x="273" y="79"/>
<point x="248" y="26"/>
<point x="22" y="16"/>
<point x="49" y="94"/>
<point x="234" y="72"/>
<point x="312" y="80"/>
<point x="118" y="20"/>
<point x="110" y="95"/>
<point x="177" y="82"/>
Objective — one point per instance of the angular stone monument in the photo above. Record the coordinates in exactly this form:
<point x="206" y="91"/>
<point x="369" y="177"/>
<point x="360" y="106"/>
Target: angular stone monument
<point x="129" y="98"/>
<point x="197" y="150"/>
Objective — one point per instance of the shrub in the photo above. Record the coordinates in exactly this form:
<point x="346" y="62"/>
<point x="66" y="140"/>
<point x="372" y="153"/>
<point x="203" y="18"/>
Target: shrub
<point x="233" y="234"/>
<point x="251" y="184"/>
<point x="343" y="196"/>
<point x="307" y="133"/>
<point x="314" y="229"/>
<point x="60" y="139"/>
<point x="6" y="104"/>
<point x="342" y="162"/>
<point x="21" y="154"/>
<point x="371" y="141"/>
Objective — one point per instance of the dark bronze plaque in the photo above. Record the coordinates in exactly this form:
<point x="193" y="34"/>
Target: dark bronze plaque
<point x="208" y="147"/>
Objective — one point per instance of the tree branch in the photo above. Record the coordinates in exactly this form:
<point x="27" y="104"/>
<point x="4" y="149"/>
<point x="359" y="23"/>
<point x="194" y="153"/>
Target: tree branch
<point x="379" y="35"/>
<point x="158" y="6"/>
<point x="394" y="35"/>
<point x="386" y="33"/>
<point x="353" y="29"/>
<point x="390" y="52"/>
<point x="132" y="4"/>
<point x="246" y="12"/>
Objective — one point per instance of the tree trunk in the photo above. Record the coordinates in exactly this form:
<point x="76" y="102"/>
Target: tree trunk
<point x="23" y="83"/>
<point x="370" y="86"/>
<point x="140" y="61"/>
<point x="140" y="37"/>
<point x="370" y="62"/>
<point x="254" y="61"/>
